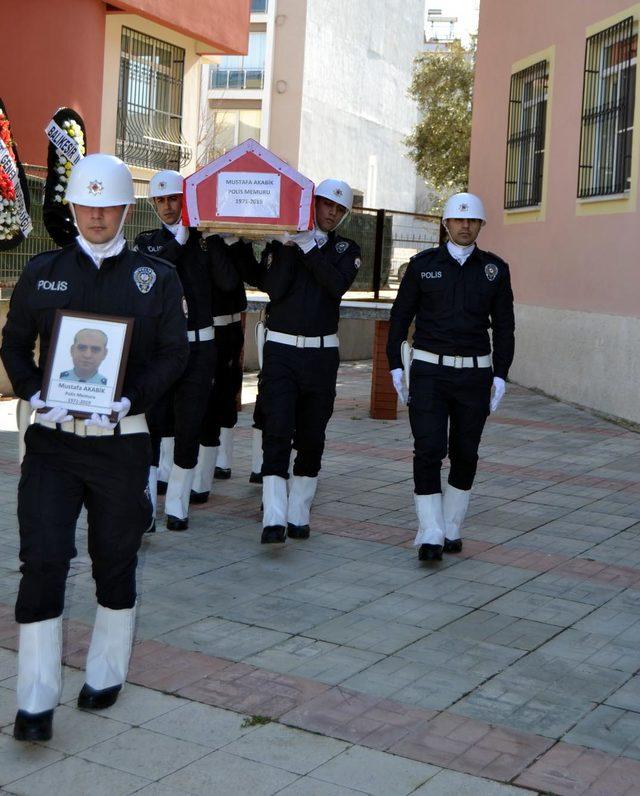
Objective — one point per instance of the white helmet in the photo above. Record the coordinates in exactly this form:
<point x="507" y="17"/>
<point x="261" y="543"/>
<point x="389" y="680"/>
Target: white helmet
<point x="166" y="183"/>
<point x="100" y="181"/>
<point x="464" y="205"/>
<point x="337" y="191"/>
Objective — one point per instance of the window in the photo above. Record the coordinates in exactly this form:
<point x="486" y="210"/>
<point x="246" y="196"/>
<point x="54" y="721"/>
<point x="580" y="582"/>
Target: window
<point x="230" y="128"/>
<point x="242" y="71"/>
<point x="608" y="101"/>
<point x="526" y="136"/>
<point x="149" y="121"/>
<point x="259" y="6"/>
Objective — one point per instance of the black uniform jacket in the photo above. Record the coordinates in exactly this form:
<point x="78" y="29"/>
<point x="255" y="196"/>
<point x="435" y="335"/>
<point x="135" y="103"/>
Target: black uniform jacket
<point x="305" y="289"/>
<point x="454" y="306"/>
<point x="68" y="279"/>
<point x="249" y="271"/>
<point x="204" y="266"/>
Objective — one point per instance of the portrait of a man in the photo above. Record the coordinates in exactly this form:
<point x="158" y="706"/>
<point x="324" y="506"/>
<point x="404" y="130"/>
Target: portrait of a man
<point x="88" y="352"/>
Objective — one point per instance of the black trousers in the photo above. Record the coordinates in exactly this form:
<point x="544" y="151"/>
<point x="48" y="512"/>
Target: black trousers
<point x="448" y="408"/>
<point x="61" y="472"/>
<point x="222" y="409"/>
<point x="297" y="393"/>
<point x="180" y="412"/>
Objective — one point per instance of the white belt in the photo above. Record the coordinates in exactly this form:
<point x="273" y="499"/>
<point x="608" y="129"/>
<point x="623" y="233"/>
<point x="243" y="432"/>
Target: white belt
<point x="453" y="362"/>
<point x="300" y="341"/>
<point x="201" y="335"/>
<point x="225" y="320"/>
<point x="132" y="424"/>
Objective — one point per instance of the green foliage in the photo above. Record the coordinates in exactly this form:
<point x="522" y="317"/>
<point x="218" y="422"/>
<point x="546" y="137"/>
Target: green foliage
<point x="439" y="145"/>
<point x="255" y="721"/>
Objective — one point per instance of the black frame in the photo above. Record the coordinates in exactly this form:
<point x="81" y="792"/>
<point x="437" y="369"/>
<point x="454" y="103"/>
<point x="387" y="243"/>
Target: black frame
<point x="526" y="133"/>
<point x="608" y="104"/>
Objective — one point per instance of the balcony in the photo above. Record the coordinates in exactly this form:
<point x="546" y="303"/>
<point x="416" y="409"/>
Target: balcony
<point x="236" y="79"/>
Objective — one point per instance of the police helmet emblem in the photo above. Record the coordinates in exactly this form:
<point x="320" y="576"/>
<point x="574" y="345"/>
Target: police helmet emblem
<point x="491" y="271"/>
<point x="357" y="262"/>
<point x="145" y="278"/>
<point x="463" y="207"/>
<point x="95" y="187"/>
<point x="342" y="246"/>
<point x="338" y="191"/>
<point x="162" y="184"/>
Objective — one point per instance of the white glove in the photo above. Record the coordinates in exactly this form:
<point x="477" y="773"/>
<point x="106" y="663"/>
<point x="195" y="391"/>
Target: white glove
<point x="102" y="421"/>
<point x="305" y="240"/>
<point x="229" y="239"/>
<point x="56" y="415"/>
<point x="397" y="374"/>
<point x="498" y="391"/>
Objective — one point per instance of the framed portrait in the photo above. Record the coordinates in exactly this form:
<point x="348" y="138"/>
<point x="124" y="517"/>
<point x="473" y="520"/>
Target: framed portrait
<point x="86" y="362"/>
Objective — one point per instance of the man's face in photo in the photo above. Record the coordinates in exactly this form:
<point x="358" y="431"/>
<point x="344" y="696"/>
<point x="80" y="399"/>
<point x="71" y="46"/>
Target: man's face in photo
<point x="88" y="352"/>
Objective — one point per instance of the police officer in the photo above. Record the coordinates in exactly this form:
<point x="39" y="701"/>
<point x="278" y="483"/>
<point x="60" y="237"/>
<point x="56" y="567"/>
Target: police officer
<point x="216" y="442"/>
<point x="305" y="280"/>
<point x="96" y="463"/>
<point x="88" y="352"/>
<point x="455" y="292"/>
<point x="203" y="266"/>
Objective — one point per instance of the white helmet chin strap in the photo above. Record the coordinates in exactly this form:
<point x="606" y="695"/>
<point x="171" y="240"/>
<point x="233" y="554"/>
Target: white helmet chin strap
<point x="100" y="251"/>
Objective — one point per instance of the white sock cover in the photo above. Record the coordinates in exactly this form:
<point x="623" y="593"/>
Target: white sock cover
<point x="203" y="477"/>
<point x="256" y="451"/>
<point x="455" y="503"/>
<point x="176" y="502"/>
<point x="110" y="648"/>
<point x="167" y="445"/>
<point x="430" y="519"/>
<point x="39" y="665"/>
<point x="274" y="500"/>
<point x="301" y="494"/>
<point x="153" y="488"/>
<point x="225" y="456"/>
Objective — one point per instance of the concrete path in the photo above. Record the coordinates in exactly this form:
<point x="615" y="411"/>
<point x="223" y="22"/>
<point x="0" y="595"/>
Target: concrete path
<point x="341" y="664"/>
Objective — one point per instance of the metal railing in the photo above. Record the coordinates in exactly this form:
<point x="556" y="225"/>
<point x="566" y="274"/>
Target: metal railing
<point x="236" y="79"/>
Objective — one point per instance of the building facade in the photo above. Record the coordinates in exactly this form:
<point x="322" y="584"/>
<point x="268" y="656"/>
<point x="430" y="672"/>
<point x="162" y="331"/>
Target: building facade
<point x="324" y="85"/>
<point x="555" y="154"/>
<point x="129" y="67"/>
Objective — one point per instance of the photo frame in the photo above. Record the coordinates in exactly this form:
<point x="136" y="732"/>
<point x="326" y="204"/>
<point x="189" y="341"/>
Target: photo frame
<point x="86" y="363"/>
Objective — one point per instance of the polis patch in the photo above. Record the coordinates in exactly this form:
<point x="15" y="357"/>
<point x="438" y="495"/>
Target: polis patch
<point x="144" y="278"/>
<point x="491" y="271"/>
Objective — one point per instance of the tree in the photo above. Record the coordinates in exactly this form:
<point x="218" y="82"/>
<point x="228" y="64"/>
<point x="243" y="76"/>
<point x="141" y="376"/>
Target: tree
<point x="442" y="85"/>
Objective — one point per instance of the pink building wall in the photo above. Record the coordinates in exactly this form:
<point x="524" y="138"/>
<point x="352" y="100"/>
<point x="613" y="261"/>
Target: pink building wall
<point x="567" y="261"/>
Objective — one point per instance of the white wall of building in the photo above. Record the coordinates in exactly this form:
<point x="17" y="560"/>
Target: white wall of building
<point x="358" y="59"/>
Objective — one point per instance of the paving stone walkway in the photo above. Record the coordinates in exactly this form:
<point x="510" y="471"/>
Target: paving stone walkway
<point x="512" y="668"/>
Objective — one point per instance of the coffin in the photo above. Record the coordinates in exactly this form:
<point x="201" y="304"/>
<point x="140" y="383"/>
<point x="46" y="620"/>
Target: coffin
<point x="249" y="192"/>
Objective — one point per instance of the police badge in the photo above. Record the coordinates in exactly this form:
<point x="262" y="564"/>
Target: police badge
<point x="491" y="271"/>
<point x="145" y="278"/>
<point x="342" y="246"/>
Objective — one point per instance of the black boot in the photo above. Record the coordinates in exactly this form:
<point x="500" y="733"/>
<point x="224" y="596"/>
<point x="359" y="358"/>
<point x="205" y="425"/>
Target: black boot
<point x="33" y="726"/>
<point x="222" y="473"/>
<point x="298" y="531"/>
<point x="273" y="534"/>
<point x="176" y="524"/>
<point x="198" y="497"/>
<point x="430" y="552"/>
<point x="92" y="699"/>
<point x="162" y="487"/>
<point x="255" y="478"/>
<point x="452" y="545"/>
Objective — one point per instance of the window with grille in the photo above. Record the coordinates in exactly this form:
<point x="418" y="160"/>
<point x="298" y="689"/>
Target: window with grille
<point x="608" y="101"/>
<point x="526" y="136"/>
<point x="149" y="121"/>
